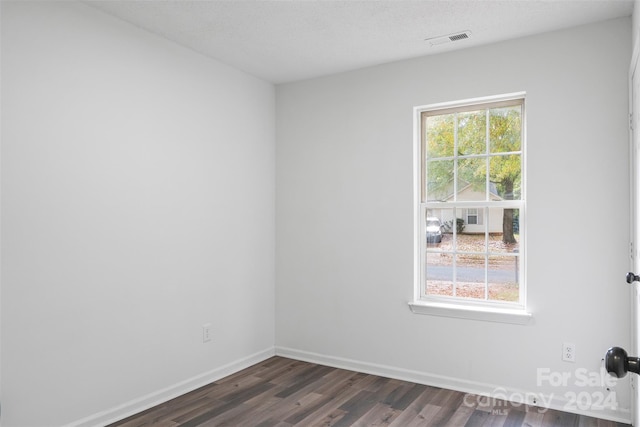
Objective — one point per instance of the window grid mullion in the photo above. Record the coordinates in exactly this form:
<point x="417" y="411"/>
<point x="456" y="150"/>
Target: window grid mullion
<point x="480" y="156"/>
<point x="486" y="254"/>
<point x="487" y="195"/>
<point x="454" y="256"/>
<point x="455" y="158"/>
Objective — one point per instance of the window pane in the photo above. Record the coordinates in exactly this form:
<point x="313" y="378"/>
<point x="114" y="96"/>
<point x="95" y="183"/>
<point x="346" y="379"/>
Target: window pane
<point x="439" y="273"/>
<point x="472" y="179"/>
<point x="472" y="238"/>
<point x="439" y="180"/>
<point x="505" y="174"/>
<point x="503" y="278"/>
<point x="472" y="133"/>
<point x="505" y="129"/>
<point x="440" y="136"/>
<point x="465" y="261"/>
<point x="470" y="276"/>
<point x="504" y="230"/>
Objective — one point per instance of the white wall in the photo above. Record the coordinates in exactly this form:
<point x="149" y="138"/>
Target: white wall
<point x="344" y="210"/>
<point x="137" y="204"/>
<point x="635" y="21"/>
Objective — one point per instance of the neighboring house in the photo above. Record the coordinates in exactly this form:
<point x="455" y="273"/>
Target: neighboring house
<point x="475" y="219"/>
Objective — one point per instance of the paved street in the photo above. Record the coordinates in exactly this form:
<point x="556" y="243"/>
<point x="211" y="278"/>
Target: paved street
<point x="470" y="274"/>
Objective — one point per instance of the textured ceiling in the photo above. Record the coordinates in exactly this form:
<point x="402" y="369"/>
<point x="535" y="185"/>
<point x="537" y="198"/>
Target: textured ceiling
<point x="284" y="41"/>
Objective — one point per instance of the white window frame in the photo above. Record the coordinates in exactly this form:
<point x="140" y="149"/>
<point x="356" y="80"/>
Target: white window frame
<point x="462" y="307"/>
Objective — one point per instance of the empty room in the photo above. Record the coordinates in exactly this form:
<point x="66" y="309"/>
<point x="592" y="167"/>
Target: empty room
<point x="319" y="213"/>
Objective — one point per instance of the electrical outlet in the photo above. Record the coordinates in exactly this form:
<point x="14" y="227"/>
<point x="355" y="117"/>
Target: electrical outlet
<point x="206" y="332"/>
<point x="568" y="352"/>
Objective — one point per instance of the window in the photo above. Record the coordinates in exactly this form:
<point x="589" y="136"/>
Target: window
<point x="470" y="163"/>
<point x="472" y="216"/>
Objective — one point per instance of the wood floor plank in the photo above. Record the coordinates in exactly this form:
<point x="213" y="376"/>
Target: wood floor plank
<point x="533" y="418"/>
<point x="330" y="420"/>
<point x="515" y="419"/>
<point x="305" y="379"/>
<point x="257" y="408"/>
<point x="307" y="410"/>
<point x="328" y="413"/>
<point x="460" y="416"/>
<point x="392" y="398"/>
<point x="411" y="411"/>
<point x="170" y="413"/>
<point x="410" y="396"/>
<point x="447" y="408"/>
<point x="282" y="411"/>
<point x="229" y="405"/>
<point x="295" y="404"/>
<point x="376" y="392"/>
<point x="281" y="392"/>
<point x="425" y="416"/>
<point x="496" y="419"/>
<point x="279" y="371"/>
<point x="165" y="413"/>
<point x="292" y="373"/>
<point x="223" y="389"/>
<point x="198" y="411"/>
<point x="477" y="418"/>
<point x="287" y="407"/>
<point x="380" y="415"/>
<point x="553" y="418"/>
<point x="225" y="418"/>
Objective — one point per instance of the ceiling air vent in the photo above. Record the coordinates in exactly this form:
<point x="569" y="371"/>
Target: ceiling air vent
<point x="449" y="38"/>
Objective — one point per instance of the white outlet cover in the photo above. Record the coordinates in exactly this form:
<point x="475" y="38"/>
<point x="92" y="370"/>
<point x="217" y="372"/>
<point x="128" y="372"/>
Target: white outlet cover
<point x="206" y="332"/>
<point x="568" y="352"/>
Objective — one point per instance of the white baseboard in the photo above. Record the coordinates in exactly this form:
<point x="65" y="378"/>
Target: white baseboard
<point x="547" y="401"/>
<point x="156" y="398"/>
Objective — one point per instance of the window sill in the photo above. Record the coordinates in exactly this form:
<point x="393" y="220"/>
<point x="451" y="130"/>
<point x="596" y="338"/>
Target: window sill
<point x="489" y="314"/>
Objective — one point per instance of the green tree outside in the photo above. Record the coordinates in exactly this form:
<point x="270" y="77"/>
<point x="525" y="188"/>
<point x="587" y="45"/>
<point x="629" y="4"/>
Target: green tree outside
<point x="477" y="143"/>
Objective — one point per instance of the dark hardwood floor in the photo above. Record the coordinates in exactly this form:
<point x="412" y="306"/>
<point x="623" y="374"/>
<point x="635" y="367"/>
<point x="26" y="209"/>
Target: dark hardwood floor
<point x="281" y="392"/>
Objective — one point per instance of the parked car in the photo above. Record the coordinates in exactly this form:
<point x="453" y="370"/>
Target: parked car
<point x="434" y="230"/>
